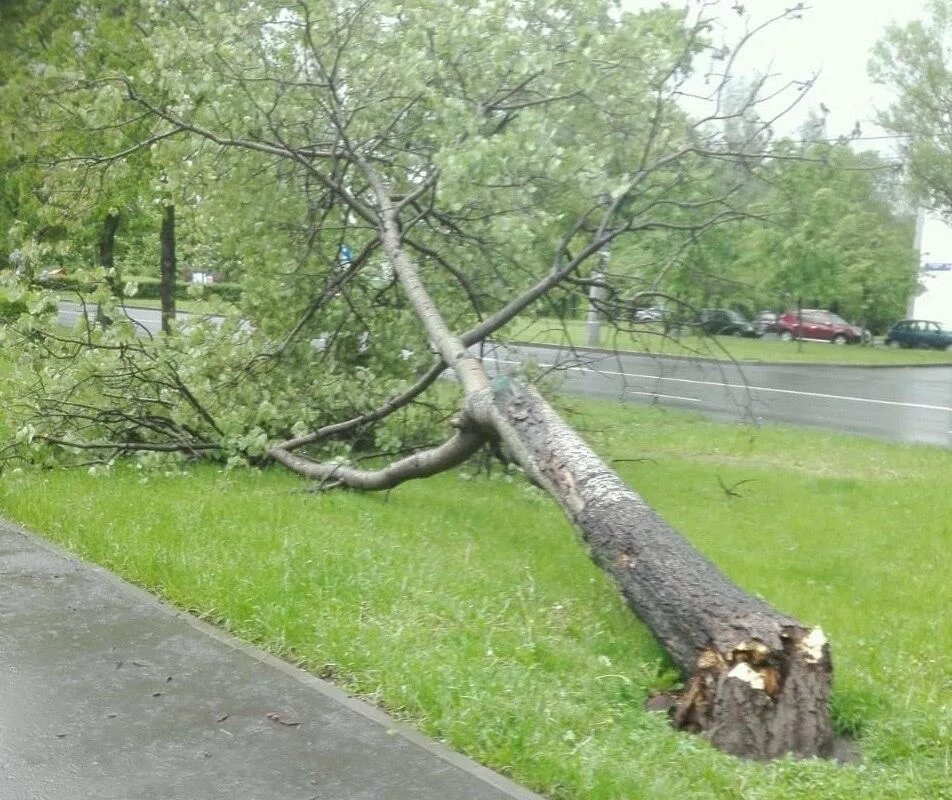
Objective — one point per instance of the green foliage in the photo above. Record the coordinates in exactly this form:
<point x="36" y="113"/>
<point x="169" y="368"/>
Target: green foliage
<point x="139" y="287"/>
<point x="836" y="242"/>
<point x="10" y="310"/>
<point x="216" y="388"/>
<point x="535" y="134"/>
<point x="514" y="649"/>
<point x="822" y="225"/>
<point x="913" y="61"/>
<point x="506" y="103"/>
<point x="51" y="131"/>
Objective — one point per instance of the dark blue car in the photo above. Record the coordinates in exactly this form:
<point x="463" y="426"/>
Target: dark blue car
<point x="919" y="333"/>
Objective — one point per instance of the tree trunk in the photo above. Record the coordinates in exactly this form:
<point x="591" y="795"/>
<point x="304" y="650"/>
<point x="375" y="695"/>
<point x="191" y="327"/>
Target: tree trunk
<point x="757" y="681"/>
<point x="107" y="241"/>
<point x="167" y="268"/>
<point x="107" y="260"/>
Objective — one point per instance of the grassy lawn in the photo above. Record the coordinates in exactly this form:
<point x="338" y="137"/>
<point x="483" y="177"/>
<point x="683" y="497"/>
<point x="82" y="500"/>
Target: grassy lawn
<point x="650" y="339"/>
<point x="464" y="604"/>
<point x="214" y="305"/>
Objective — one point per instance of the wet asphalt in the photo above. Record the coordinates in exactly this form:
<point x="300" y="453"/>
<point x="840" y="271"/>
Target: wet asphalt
<point x="108" y="694"/>
<point x="910" y="404"/>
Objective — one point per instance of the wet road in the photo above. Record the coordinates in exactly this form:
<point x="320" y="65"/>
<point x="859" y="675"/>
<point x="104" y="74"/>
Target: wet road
<point x="904" y="404"/>
<point x="149" y="318"/>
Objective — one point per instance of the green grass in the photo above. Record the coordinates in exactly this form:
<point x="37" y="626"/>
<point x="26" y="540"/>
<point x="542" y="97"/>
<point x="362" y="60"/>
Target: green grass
<point x="464" y="604"/>
<point x="212" y="305"/>
<point x="650" y="339"/>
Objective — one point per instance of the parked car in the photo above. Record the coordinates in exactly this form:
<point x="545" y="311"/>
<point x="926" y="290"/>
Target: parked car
<point x="726" y="322"/>
<point x="766" y="322"/>
<point x="649" y="314"/>
<point x="818" y="325"/>
<point x="919" y="333"/>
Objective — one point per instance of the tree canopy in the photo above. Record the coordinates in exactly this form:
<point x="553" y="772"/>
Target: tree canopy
<point x="914" y="60"/>
<point x="516" y="141"/>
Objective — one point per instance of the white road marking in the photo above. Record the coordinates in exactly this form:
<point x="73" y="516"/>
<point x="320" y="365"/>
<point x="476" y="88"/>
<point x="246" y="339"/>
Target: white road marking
<point x="666" y="396"/>
<point x="743" y="386"/>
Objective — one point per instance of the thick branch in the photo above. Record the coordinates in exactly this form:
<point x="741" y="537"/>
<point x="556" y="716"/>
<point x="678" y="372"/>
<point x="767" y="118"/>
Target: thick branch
<point x="392" y="404"/>
<point x="451" y="348"/>
<point x="419" y="465"/>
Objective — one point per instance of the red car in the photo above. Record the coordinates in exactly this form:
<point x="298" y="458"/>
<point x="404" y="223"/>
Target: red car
<point x="818" y="325"/>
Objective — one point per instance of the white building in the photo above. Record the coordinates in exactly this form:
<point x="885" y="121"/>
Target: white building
<point x="933" y="298"/>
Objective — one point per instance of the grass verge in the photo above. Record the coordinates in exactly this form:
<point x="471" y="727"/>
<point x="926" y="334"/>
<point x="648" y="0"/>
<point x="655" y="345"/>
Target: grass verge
<point x="650" y="339"/>
<point x="213" y="305"/>
<point x="464" y="604"/>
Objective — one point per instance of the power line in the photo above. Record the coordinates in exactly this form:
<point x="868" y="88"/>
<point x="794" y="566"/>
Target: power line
<point x="845" y="138"/>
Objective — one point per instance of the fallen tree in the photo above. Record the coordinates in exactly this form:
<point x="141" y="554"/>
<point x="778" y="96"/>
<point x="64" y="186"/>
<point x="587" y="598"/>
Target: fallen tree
<point x="758" y="681"/>
<point x="442" y="165"/>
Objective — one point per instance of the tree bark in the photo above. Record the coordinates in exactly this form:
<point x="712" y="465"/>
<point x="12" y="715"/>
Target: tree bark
<point x="167" y="268"/>
<point x="107" y="260"/>
<point x="418" y="465"/>
<point x="757" y="681"/>
<point x="107" y="241"/>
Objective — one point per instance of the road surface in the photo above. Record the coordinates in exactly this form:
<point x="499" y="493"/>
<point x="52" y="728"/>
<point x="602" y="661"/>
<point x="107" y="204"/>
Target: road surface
<point x="904" y="404"/>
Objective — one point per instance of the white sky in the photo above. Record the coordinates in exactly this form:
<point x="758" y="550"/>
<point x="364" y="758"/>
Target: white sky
<point x="834" y="37"/>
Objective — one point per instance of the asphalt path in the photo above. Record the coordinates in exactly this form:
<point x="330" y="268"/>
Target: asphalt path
<point x="904" y="404"/>
<point x="148" y="318"/>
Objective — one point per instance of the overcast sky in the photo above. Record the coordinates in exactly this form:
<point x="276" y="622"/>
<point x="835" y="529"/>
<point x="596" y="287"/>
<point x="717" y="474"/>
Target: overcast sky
<point x="833" y="37"/>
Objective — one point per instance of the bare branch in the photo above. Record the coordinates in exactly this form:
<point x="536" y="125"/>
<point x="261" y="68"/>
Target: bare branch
<point x="419" y="465"/>
<point x="134" y="447"/>
<point x="395" y="403"/>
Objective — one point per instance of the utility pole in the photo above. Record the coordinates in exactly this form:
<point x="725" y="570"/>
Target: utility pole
<point x="596" y="294"/>
<point x="917" y="245"/>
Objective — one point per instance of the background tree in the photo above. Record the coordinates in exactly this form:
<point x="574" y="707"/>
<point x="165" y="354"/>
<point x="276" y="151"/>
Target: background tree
<point x="831" y="237"/>
<point x="90" y="222"/>
<point x="914" y="60"/>
<point x="823" y="223"/>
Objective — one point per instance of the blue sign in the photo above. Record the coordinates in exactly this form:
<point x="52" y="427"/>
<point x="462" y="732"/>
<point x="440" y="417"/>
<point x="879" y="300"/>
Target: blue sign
<point x="937" y="266"/>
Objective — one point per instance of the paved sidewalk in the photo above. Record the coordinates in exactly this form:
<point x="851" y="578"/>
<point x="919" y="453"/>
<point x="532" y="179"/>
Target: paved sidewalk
<point x="107" y="694"/>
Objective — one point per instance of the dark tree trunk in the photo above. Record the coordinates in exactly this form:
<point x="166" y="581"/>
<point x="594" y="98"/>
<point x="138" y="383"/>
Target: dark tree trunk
<point x="107" y="241"/>
<point x="107" y="259"/>
<point x="757" y="681"/>
<point x="167" y="268"/>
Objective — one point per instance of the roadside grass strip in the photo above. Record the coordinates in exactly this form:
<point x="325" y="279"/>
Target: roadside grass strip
<point x="651" y="339"/>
